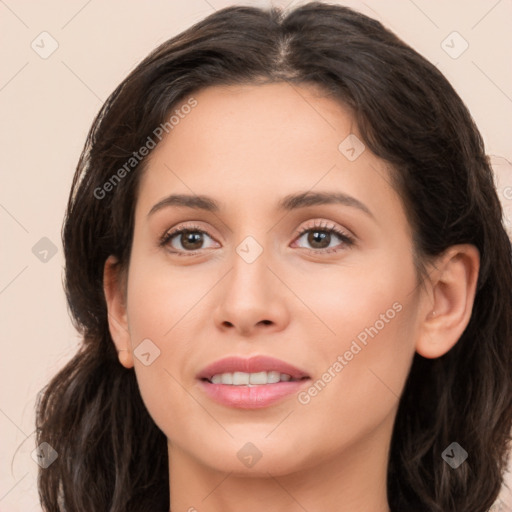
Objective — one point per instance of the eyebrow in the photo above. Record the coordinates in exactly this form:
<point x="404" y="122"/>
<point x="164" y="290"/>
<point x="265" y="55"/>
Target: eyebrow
<point x="287" y="203"/>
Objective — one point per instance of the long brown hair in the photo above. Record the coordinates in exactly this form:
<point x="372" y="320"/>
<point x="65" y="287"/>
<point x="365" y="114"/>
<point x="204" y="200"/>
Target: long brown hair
<point x="111" y="454"/>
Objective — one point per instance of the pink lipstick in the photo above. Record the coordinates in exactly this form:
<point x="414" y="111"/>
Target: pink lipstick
<point x="251" y="383"/>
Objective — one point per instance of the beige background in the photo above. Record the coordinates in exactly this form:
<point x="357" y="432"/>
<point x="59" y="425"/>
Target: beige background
<point x="48" y="105"/>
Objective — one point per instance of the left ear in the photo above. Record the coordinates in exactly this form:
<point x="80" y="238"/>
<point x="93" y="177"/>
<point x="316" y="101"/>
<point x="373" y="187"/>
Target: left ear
<point x="453" y="288"/>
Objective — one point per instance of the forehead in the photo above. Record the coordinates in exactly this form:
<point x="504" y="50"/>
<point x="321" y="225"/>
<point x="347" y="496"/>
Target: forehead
<point x="247" y="143"/>
<point x="263" y="116"/>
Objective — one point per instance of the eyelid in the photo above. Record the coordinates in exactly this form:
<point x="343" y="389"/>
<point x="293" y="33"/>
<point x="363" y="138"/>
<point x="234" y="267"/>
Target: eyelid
<point x="347" y="239"/>
<point x="324" y="225"/>
<point x="168" y="235"/>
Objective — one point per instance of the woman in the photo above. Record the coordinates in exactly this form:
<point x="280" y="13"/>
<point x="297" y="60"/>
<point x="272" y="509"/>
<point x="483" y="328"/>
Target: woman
<point x="286" y="255"/>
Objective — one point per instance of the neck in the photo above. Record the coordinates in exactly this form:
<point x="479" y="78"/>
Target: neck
<point x="351" y="479"/>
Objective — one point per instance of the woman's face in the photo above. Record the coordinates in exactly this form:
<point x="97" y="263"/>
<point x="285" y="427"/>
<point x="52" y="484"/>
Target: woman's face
<point x="341" y="309"/>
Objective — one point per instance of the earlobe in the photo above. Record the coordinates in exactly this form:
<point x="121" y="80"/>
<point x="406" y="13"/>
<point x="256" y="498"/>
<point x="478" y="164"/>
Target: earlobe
<point x="451" y="303"/>
<point x="125" y="358"/>
<point x="115" y="297"/>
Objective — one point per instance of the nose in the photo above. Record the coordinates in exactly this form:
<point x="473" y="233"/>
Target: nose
<point x="252" y="299"/>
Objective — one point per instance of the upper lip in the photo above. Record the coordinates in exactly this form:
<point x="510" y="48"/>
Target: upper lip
<point x="253" y="364"/>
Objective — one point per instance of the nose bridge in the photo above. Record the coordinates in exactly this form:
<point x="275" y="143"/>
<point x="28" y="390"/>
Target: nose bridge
<point x="249" y="278"/>
<point x="250" y="249"/>
<point x="250" y="295"/>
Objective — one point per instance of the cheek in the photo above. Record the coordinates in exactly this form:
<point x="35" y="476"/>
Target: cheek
<point x="363" y="301"/>
<point x="162" y="298"/>
<point x="365" y="359"/>
<point x="360" y="385"/>
<point x="160" y="312"/>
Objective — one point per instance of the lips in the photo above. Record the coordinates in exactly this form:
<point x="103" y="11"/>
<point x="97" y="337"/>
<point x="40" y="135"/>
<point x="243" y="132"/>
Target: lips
<point x="235" y="382"/>
<point x="252" y="365"/>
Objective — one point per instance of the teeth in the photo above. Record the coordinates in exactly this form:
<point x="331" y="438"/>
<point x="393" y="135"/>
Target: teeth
<point x="257" y="378"/>
<point x="240" y="378"/>
<point x="250" y="379"/>
<point x="273" y="377"/>
<point x="227" y="378"/>
<point x="217" y="379"/>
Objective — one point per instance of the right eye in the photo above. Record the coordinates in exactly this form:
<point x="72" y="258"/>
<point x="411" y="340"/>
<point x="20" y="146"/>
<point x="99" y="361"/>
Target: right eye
<point x="184" y="239"/>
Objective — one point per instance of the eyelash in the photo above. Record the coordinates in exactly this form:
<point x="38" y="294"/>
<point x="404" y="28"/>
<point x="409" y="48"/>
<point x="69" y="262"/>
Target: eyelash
<point x="346" y="239"/>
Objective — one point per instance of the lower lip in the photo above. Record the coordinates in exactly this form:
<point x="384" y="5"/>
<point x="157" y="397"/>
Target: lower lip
<point x="253" y="397"/>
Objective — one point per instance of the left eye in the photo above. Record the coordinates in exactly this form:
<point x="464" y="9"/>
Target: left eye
<point x="321" y="238"/>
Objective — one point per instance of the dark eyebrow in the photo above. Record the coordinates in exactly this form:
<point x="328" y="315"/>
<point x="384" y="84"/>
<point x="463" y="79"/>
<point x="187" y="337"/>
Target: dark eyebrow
<point x="288" y="203"/>
<point x="301" y="200"/>
<point x="196" y="202"/>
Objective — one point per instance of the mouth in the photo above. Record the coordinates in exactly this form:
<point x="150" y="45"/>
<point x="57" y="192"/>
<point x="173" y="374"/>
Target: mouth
<point x="251" y="379"/>
<point x="251" y="383"/>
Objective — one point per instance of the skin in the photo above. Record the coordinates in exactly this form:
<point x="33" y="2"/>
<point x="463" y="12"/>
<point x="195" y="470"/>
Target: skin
<point x="247" y="147"/>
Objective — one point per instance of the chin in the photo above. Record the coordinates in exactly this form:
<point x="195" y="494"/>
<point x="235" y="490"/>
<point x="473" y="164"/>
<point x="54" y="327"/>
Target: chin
<point x="254" y="456"/>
